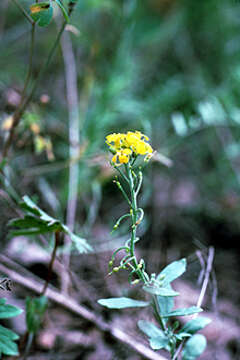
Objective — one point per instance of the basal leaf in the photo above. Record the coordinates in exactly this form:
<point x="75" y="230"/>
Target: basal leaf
<point x="122" y="303"/>
<point x="194" y="347"/>
<point x="42" y="13"/>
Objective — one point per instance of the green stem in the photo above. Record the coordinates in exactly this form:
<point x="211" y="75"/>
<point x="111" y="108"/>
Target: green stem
<point x="134" y="211"/>
<point x="158" y="313"/>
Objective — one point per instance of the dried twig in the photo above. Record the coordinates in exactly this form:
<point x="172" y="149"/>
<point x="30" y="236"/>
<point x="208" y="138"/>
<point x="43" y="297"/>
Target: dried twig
<point x="74" y="140"/>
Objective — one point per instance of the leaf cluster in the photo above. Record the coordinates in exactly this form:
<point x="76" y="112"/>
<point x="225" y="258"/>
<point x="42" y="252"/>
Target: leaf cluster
<point x="8" y="337"/>
<point x="166" y="335"/>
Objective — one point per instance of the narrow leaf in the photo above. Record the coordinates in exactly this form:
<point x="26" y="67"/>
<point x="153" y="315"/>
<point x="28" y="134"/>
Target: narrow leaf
<point x="122" y="303"/>
<point x="184" y="311"/>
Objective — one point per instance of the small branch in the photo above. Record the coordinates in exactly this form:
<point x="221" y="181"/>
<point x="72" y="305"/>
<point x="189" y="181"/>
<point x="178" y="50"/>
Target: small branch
<point x="74" y="307"/>
<point x="53" y="257"/>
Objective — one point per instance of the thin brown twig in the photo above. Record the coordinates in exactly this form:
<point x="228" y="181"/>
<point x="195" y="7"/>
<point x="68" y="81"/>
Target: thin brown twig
<point x="74" y="307"/>
<point x="53" y="257"/>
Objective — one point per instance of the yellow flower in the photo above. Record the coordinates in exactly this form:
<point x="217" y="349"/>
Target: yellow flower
<point x="124" y="145"/>
<point x="115" y="140"/>
<point x="122" y="157"/>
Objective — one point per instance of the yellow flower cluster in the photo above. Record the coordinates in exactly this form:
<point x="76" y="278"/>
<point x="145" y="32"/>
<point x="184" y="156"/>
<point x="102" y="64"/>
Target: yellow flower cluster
<point x="125" y="145"/>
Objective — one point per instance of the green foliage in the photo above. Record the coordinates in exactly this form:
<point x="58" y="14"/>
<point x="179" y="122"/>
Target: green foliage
<point x="35" y="310"/>
<point x="172" y="271"/>
<point x="37" y="222"/>
<point x="157" y="337"/>
<point x="62" y="8"/>
<point x="42" y="13"/>
<point x="194" y="347"/>
<point x="8" y="311"/>
<point x="161" y="291"/>
<point x="183" y="312"/>
<point x="122" y="303"/>
<point x="7" y="337"/>
<point x="192" y="326"/>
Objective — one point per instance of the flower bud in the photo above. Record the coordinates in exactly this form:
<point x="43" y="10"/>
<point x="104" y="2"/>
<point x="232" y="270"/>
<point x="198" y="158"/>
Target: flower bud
<point x="116" y="269"/>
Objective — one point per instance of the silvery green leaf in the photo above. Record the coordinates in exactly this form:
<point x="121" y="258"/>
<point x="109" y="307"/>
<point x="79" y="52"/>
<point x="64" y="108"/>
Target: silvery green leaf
<point x="194" y="347"/>
<point x="195" y="325"/>
<point x="122" y="303"/>
<point x="157" y="338"/>
<point x="172" y="271"/>
<point x="155" y="290"/>
<point x="183" y="312"/>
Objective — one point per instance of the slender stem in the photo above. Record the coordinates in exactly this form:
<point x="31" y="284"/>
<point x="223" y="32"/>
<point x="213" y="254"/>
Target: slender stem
<point x="50" y="268"/>
<point x="123" y="192"/>
<point x="134" y="211"/>
<point x="158" y="313"/>
<point x="21" y="8"/>
<point x="122" y="174"/>
<point x="30" y="338"/>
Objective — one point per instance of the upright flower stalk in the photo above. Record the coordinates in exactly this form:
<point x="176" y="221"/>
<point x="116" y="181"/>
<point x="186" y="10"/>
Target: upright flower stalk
<point x="178" y="341"/>
<point x="126" y="148"/>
